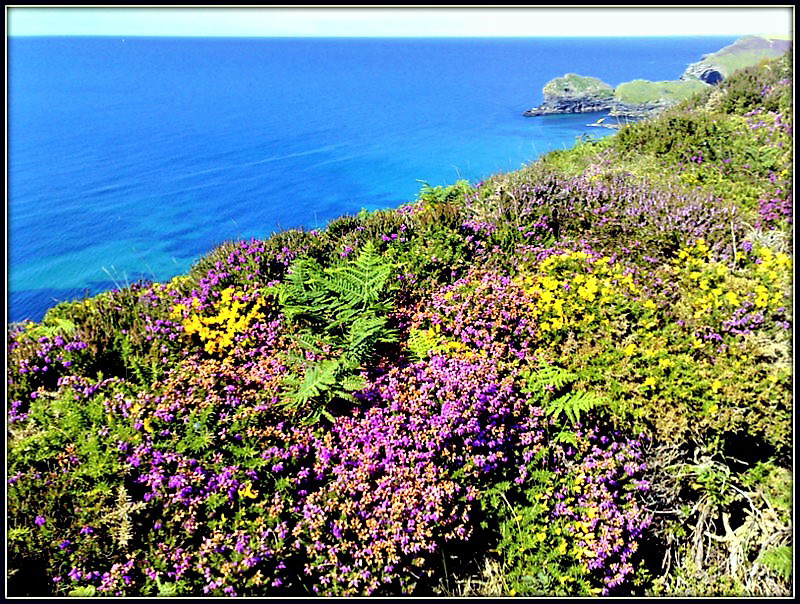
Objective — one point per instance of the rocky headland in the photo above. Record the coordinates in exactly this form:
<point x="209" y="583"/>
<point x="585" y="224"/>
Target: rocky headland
<point x="714" y="68"/>
<point x="573" y="93"/>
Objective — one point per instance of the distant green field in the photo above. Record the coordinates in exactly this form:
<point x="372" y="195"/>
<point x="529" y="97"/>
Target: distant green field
<point x="730" y="62"/>
<point x="644" y="91"/>
<point x="744" y="53"/>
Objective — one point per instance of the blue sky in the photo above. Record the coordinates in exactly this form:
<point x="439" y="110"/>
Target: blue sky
<point x="400" y="21"/>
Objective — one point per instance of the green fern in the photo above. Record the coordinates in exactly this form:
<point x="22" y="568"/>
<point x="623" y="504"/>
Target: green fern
<point x="572" y="405"/>
<point x="329" y="300"/>
<point x="365" y="333"/>
<point x="322" y="383"/>
<point x="362" y="282"/>
<point x="550" y="377"/>
<point x="553" y="386"/>
<point x="353" y="383"/>
<point x="319" y="377"/>
<point x="779" y="560"/>
<point x="304" y="293"/>
<point x="341" y="309"/>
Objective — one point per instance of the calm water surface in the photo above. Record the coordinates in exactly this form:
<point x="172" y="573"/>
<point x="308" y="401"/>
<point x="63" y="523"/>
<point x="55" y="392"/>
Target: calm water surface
<point x="132" y="158"/>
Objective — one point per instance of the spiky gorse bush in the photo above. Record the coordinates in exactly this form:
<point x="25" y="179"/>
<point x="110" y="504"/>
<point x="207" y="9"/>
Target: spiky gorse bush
<point x="230" y="318"/>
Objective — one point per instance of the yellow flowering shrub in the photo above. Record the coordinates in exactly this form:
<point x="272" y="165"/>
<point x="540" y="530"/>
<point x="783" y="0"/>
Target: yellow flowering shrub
<point x="713" y="286"/>
<point x="576" y="291"/>
<point x="218" y="331"/>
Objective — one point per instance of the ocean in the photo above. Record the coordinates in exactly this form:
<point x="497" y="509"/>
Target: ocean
<point x="130" y="158"/>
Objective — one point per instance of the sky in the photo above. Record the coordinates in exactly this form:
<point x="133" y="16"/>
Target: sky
<point x="400" y="21"/>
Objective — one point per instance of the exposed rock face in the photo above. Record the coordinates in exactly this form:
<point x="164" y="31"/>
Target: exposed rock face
<point x="638" y="110"/>
<point x="573" y="93"/>
<point x="704" y="72"/>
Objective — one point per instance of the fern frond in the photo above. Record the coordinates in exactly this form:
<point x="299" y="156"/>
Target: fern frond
<point x="550" y="376"/>
<point x="340" y="308"/>
<point x="566" y="436"/>
<point x="778" y="559"/>
<point x="305" y="339"/>
<point x="362" y="282"/>
<point x="353" y="383"/>
<point x="540" y="476"/>
<point x="365" y="333"/>
<point x="422" y="343"/>
<point x="318" y="378"/>
<point x="573" y="404"/>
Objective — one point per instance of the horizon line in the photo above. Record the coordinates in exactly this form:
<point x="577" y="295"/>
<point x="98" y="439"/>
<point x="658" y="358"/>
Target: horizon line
<point x="395" y="36"/>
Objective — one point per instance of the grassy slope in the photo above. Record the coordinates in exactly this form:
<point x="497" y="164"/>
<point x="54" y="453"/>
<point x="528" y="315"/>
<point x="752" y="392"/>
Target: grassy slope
<point x="573" y="84"/>
<point x="645" y="91"/>
<point x="743" y="53"/>
<point x="199" y="437"/>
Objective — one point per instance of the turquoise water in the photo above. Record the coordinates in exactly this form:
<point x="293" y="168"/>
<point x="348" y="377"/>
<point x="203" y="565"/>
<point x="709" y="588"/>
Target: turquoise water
<point x="132" y="158"/>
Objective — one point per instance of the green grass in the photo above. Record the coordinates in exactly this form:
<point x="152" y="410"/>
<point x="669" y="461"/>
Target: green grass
<point x="573" y="83"/>
<point x="645" y="91"/>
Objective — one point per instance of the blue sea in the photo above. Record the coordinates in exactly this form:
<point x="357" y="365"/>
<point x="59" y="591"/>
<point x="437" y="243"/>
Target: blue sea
<point x="131" y="158"/>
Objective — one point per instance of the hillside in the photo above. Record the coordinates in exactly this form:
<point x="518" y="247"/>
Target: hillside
<point x="745" y="52"/>
<point x="574" y="379"/>
<point x="573" y="93"/>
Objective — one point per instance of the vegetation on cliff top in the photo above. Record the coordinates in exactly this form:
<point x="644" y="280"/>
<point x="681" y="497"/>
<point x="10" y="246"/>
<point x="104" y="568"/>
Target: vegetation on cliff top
<point x="668" y="91"/>
<point x="745" y="52"/>
<point x="573" y="84"/>
<point x="586" y="93"/>
<point x="572" y="379"/>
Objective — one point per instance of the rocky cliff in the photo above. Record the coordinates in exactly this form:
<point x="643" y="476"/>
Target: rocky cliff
<point x="574" y="93"/>
<point x="715" y="67"/>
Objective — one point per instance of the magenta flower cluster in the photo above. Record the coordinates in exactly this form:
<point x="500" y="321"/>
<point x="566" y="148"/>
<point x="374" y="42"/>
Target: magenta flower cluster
<point x="600" y="493"/>
<point x="484" y="311"/>
<point x="36" y="365"/>
<point x="403" y="477"/>
<point x="774" y="209"/>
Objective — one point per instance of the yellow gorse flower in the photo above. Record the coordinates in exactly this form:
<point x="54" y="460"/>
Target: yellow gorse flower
<point x="712" y="283"/>
<point x="219" y="330"/>
<point x="575" y="290"/>
<point x="247" y="491"/>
